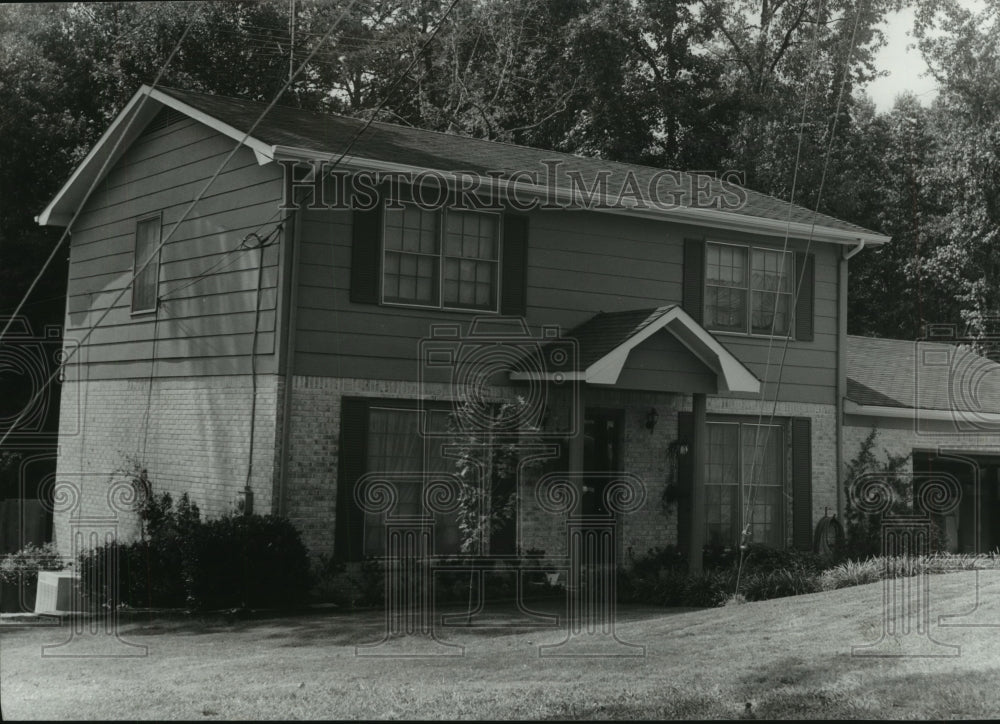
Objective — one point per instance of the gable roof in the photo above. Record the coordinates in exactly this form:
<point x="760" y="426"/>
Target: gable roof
<point x="605" y="340"/>
<point x="295" y="134"/>
<point x="899" y="375"/>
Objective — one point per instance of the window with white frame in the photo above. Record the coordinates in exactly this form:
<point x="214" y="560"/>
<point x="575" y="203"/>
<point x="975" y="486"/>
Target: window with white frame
<point x="441" y="258"/>
<point x="744" y="484"/>
<point x="145" y="287"/>
<point x="748" y="290"/>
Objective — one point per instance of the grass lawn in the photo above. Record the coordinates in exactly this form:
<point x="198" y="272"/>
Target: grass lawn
<point x="787" y="658"/>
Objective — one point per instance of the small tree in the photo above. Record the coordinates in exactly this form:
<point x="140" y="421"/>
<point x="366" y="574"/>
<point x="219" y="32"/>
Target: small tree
<point x="864" y="530"/>
<point x="490" y="453"/>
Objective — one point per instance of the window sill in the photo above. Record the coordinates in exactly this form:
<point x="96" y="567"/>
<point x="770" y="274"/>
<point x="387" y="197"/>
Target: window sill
<point x="432" y="308"/>
<point x="746" y="335"/>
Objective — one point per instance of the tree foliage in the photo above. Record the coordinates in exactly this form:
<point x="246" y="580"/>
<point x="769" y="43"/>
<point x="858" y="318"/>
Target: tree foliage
<point x="771" y="88"/>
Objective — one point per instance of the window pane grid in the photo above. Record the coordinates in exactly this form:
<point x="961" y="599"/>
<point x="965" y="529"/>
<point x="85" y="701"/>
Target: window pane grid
<point x="771" y="285"/>
<point x="748" y="290"/>
<point x="410" y="277"/>
<point x="396" y="445"/>
<point x="726" y="287"/>
<point x="738" y="485"/>
<point x="457" y="268"/>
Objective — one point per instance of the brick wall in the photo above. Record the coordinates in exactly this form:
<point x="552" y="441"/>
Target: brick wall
<point x="903" y="436"/>
<point x="315" y="430"/>
<point x="192" y="435"/>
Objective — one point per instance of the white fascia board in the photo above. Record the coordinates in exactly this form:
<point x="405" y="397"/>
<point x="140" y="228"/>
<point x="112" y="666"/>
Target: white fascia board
<point x="911" y="413"/>
<point x="548" y="376"/>
<point x="732" y="375"/>
<point x="54" y="214"/>
<point x="71" y="196"/>
<point x="701" y="217"/>
<point x="263" y="152"/>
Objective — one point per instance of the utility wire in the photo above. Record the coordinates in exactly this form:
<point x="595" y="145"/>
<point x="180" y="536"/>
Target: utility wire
<point x="97" y="179"/>
<point x="812" y="229"/>
<point x="153" y="254"/>
<point x="374" y="113"/>
<point x="750" y="499"/>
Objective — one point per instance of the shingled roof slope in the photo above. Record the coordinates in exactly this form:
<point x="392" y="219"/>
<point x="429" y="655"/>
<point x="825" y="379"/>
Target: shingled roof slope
<point x="328" y="133"/>
<point x="885" y="373"/>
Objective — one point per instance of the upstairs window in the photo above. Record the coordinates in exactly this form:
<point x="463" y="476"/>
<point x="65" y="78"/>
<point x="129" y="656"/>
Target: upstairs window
<point x="442" y="258"/>
<point x="145" y="287"/>
<point x="748" y="290"/>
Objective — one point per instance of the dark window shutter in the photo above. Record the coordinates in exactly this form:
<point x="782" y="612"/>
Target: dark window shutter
<point x="805" y="269"/>
<point x="802" y="527"/>
<point x="353" y="452"/>
<point x="366" y="242"/>
<point x="693" y="288"/>
<point x="514" y="277"/>
<point x="685" y="478"/>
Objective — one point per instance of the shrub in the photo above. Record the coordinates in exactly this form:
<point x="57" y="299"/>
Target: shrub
<point x="145" y="575"/>
<point x="708" y="589"/>
<point x="764" y="585"/>
<point x="360" y="585"/>
<point x="864" y="529"/>
<point x="660" y="578"/>
<point x="764" y="559"/>
<point x="246" y="560"/>
<point x="27" y="562"/>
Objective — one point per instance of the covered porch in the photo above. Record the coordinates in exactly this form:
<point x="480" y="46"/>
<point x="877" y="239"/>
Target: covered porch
<point x="636" y="375"/>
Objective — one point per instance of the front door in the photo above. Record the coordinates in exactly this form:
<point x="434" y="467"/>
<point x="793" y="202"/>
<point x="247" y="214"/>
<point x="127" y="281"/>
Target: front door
<point x="602" y="460"/>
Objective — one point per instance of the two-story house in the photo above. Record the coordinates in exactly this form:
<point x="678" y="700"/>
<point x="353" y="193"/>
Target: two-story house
<point x="685" y="332"/>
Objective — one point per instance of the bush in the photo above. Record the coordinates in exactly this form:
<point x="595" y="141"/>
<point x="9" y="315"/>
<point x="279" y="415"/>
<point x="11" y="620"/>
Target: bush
<point x="708" y="589"/>
<point x="864" y="529"/>
<point x="765" y="585"/>
<point x="660" y="577"/>
<point x="27" y="562"/>
<point x="247" y="560"/>
<point x="234" y="561"/>
<point x="877" y="568"/>
<point x="760" y="558"/>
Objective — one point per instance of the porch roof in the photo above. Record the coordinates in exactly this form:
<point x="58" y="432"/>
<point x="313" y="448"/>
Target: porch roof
<point x="605" y="341"/>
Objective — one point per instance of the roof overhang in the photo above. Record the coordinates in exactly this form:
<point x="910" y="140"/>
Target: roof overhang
<point x="912" y="413"/>
<point x="714" y="218"/>
<point x="732" y="375"/>
<point x="147" y="102"/>
<point x="122" y="132"/>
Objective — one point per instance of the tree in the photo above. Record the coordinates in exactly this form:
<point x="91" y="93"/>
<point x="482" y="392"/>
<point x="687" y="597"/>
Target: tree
<point x="959" y="45"/>
<point x="783" y="57"/>
<point x="866" y="473"/>
<point x="492" y="443"/>
<point x="891" y="293"/>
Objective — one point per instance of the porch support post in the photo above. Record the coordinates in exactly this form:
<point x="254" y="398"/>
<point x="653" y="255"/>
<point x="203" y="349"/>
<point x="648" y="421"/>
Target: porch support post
<point x="576" y="447"/>
<point x="699" y="447"/>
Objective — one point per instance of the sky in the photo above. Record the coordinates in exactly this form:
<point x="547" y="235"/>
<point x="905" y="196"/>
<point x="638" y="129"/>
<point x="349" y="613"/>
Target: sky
<point x="905" y="66"/>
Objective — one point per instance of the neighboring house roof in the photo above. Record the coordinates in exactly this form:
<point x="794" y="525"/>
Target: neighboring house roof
<point x="894" y="377"/>
<point x="605" y="340"/>
<point x="291" y="133"/>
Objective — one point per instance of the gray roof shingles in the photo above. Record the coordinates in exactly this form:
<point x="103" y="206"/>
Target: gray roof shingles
<point x="329" y="134"/>
<point x="605" y="331"/>
<point x="885" y="373"/>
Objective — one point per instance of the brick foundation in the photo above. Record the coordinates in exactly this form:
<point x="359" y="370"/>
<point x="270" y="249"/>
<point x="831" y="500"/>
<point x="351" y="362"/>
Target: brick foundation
<point x="194" y="439"/>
